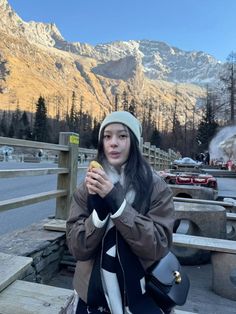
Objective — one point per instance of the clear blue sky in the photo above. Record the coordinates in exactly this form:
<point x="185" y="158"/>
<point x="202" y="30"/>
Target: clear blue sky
<point x="201" y="25"/>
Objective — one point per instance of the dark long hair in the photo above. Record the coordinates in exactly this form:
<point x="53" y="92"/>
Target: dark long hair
<point x="138" y="173"/>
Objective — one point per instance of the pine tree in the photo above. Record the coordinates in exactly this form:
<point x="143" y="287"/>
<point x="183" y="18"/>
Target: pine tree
<point x="81" y="121"/>
<point x="25" y="131"/>
<point x="132" y="107"/>
<point x="229" y="80"/>
<point x="3" y="126"/>
<point x="125" y="101"/>
<point x="11" y="131"/>
<point x="94" y="137"/>
<point x="41" y="132"/>
<point x="116" y="102"/>
<point x="144" y="119"/>
<point x="86" y="131"/>
<point x="14" y="130"/>
<point x="156" y="138"/>
<point x="208" y="126"/>
<point x="73" y="114"/>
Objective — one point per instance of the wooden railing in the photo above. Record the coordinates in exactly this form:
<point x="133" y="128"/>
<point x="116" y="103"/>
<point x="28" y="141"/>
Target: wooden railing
<point x="158" y="159"/>
<point x="67" y="152"/>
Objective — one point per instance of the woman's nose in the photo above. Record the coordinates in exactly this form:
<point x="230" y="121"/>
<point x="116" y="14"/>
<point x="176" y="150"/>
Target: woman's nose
<point x="114" y="141"/>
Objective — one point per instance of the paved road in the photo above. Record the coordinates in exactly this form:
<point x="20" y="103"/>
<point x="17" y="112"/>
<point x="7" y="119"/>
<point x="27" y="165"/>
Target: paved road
<point x="226" y="182"/>
<point x="21" y="217"/>
<point x="15" y="187"/>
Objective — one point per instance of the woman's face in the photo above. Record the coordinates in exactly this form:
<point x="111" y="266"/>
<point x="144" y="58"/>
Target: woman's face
<point x="116" y="144"/>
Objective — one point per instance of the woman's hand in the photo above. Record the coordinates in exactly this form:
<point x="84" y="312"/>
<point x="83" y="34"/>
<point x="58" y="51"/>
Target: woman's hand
<point x="97" y="182"/>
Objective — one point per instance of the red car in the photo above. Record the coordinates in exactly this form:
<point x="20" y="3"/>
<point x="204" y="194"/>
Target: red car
<point x="189" y="178"/>
<point x="186" y="171"/>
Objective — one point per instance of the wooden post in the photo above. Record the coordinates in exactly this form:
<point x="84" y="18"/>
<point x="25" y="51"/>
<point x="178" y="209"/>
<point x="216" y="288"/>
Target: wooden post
<point x="158" y="159"/>
<point x="147" y="147"/>
<point x="141" y="145"/>
<point x="67" y="181"/>
<point x="153" y="147"/>
<point x="169" y="157"/>
<point x="162" y="163"/>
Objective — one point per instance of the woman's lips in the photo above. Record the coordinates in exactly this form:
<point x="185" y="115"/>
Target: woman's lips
<point x="114" y="155"/>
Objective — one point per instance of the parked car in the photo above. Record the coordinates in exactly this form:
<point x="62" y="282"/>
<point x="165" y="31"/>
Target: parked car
<point x="186" y="171"/>
<point x="186" y="162"/>
<point x="189" y="178"/>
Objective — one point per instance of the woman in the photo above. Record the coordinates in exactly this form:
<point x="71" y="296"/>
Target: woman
<point x="120" y="223"/>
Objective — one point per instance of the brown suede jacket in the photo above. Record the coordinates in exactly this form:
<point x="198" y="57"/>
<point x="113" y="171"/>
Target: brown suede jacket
<point x="149" y="236"/>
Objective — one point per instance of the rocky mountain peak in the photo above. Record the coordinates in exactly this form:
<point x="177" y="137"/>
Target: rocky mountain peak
<point x="46" y="34"/>
<point x="4" y="5"/>
<point x="9" y="19"/>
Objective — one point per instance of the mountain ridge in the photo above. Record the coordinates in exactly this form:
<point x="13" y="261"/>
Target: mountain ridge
<point x="52" y="66"/>
<point x="159" y="60"/>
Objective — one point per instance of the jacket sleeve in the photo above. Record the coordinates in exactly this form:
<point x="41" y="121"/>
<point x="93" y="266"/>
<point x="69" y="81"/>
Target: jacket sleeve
<point x="83" y="237"/>
<point x="149" y="236"/>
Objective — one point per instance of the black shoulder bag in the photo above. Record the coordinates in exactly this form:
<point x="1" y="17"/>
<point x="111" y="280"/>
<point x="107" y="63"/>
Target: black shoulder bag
<point x="167" y="283"/>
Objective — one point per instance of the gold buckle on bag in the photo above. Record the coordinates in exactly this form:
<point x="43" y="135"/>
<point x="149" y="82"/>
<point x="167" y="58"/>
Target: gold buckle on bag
<point x="177" y="276"/>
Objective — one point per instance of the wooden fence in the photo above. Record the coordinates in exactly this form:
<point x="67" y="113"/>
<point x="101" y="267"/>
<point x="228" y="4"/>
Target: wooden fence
<point x="66" y="152"/>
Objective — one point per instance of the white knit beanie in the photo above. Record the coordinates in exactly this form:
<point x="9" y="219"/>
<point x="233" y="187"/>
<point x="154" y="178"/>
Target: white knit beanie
<point x="125" y="118"/>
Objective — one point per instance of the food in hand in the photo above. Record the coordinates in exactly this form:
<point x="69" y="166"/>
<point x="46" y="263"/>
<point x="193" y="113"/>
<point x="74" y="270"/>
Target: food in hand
<point x="95" y="164"/>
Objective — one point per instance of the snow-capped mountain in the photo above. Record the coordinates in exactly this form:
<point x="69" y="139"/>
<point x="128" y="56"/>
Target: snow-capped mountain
<point x="158" y="60"/>
<point x="161" y="61"/>
<point x="36" y="60"/>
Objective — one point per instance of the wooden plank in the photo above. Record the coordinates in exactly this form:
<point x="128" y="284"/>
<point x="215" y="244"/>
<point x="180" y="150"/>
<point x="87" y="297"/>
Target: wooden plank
<point x="32" y="144"/>
<point x="24" y="297"/>
<point x="176" y="311"/>
<point x="201" y="201"/>
<point x="56" y="225"/>
<point x="11" y="267"/>
<point x="88" y="151"/>
<point x="82" y="167"/>
<point x="30" y="199"/>
<point x="210" y="244"/>
<point x="13" y="173"/>
<point x="231" y="216"/>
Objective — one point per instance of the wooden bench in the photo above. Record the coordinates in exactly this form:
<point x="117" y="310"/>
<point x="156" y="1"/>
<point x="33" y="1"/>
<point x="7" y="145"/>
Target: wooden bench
<point x="229" y="206"/>
<point x="204" y="243"/>
<point x="23" y="297"/>
<point x="223" y="259"/>
<point x="193" y="191"/>
<point x="18" y="296"/>
<point x="12" y="267"/>
<point x="196" y="219"/>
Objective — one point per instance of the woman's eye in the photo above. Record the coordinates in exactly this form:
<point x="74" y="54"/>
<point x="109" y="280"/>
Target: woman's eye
<point x="123" y="135"/>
